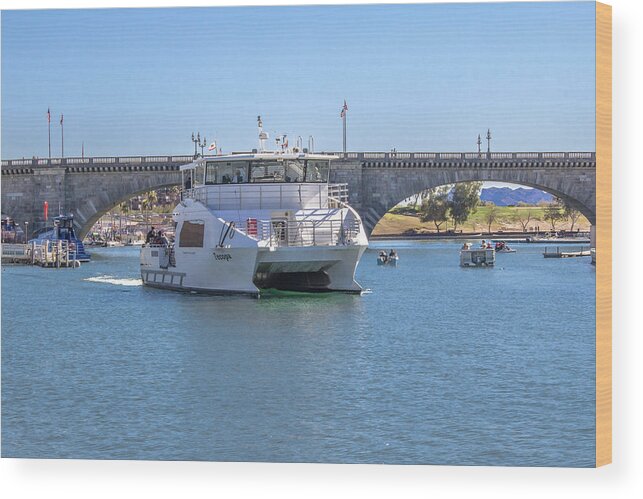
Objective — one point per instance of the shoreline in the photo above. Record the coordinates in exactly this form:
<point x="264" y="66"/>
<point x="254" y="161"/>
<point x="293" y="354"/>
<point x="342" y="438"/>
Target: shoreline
<point x="505" y="236"/>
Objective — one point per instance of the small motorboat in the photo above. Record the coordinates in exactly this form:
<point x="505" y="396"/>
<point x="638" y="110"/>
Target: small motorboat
<point x="63" y="229"/>
<point x="503" y="247"/>
<point x="388" y="259"/>
<point x="11" y="231"/>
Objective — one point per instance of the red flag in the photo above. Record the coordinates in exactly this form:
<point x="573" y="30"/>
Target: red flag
<point x="48" y="116"/>
<point x="45" y="206"/>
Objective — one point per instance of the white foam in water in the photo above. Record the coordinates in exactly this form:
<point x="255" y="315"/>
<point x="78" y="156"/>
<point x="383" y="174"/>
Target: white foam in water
<point x="108" y="279"/>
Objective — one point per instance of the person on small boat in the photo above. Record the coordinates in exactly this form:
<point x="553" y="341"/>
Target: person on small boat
<point x="382" y="256"/>
<point x="161" y="239"/>
<point x="151" y="235"/>
<point x="392" y="255"/>
<point x="484" y="244"/>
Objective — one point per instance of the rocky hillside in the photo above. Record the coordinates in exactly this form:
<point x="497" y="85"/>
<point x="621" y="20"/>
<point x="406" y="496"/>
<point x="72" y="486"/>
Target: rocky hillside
<point x="505" y="196"/>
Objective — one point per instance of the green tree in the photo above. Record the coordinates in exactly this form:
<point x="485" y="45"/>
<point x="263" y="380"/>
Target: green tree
<point x="435" y="207"/>
<point x="124" y="207"/>
<point x="490" y="216"/>
<point x="570" y="213"/>
<point x="464" y="200"/>
<point x="554" y="213"/>
<point x="149" y="202"/>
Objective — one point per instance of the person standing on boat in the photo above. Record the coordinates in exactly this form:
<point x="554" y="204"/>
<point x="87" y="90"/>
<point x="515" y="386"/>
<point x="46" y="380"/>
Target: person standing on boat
<point x="151" y="235"/>
<point x="162" y="239"/>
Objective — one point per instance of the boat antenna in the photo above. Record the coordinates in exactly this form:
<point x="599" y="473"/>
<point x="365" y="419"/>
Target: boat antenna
<point x="263" y="136"/>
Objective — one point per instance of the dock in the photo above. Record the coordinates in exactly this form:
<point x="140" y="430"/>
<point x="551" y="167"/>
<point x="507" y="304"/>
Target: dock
<point x="53" y="254"/>
<point x="566" y="254"/>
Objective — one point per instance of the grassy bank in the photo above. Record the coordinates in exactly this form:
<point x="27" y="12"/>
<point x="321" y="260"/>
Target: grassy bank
<point x="507" y="219"/>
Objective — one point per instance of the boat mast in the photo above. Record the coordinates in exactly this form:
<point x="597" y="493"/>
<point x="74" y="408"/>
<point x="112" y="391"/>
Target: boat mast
<point x="263" y="136"/>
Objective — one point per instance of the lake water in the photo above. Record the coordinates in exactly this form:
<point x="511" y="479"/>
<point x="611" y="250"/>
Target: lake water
<point x="435" y="364"/>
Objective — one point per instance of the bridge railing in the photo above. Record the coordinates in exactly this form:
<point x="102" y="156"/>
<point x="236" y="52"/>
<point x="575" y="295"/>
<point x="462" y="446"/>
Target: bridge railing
<point x="392" y="156"/>
<point x="360" y="156"/>
<point x="96" y="160"/>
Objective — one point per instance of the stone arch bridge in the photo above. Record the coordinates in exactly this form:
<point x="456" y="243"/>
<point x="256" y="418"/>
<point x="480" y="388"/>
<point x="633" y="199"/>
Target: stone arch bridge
<point x="377" y="181"/>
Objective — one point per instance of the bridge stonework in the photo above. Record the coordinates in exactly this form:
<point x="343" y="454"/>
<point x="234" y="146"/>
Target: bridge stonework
<point x="374" y="190"/>
<point x="90" y="187"/>
<point x="86" y="194"/>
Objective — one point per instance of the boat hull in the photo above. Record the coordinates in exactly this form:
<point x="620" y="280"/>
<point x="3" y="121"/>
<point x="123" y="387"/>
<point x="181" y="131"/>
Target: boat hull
<point x="249" y="270"/>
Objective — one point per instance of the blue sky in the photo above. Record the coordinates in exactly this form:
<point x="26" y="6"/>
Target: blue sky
<point x="415" y="77"/>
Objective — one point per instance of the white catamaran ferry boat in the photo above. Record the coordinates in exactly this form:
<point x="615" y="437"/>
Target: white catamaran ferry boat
<point x="263" y="220"/>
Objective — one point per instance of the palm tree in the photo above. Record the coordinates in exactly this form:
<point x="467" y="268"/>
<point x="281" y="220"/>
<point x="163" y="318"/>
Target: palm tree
<point x="149" y="202"/>
<point x="124" y="208"/>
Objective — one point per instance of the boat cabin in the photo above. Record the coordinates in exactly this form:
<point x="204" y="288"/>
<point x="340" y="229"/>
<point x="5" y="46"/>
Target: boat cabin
<point x="64" y="228"/>
<point x="259" y="181"/>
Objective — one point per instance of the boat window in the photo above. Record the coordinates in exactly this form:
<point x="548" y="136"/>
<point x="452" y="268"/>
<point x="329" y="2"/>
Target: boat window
<point x="231" y="172"/>
<point x="285" y="170"/>
<point x="266" y="171"/>
<point x="317" y="170"/>
<point x="191" y="235"/>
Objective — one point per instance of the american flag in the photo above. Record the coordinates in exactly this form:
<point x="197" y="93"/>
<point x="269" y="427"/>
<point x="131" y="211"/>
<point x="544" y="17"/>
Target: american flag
<point x="48" y="116"/>
<point x="344" y="109"/>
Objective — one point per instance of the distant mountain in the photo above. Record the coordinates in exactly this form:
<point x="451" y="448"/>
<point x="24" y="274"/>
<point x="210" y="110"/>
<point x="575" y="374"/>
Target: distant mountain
<point x="505" y="196"/>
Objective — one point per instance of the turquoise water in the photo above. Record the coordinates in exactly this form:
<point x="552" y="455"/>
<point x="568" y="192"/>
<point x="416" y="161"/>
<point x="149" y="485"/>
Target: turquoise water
<point x="434" y="364"/>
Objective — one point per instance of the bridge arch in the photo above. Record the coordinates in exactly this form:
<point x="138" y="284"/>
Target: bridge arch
<point x="382" y="189"/>
<point x="88" y="209"/>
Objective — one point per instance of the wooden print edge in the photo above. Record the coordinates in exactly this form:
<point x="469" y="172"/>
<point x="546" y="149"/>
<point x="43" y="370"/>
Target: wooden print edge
<point x="603" y="234"/>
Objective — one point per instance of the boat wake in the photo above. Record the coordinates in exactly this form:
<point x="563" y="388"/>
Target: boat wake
<point x="108" y="279"/>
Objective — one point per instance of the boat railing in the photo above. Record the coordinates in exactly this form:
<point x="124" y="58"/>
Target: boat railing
<point x="49" y="253"/>
<point x="301" y="232"/>
<point x="267" y="196"/>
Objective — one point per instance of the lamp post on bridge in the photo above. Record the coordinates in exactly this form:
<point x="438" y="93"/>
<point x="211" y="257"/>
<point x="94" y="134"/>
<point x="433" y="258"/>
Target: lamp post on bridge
<point x="197" y="143"/>
<point x="488" y="141"/>
<point x="342" y="115"/>
<point x="479" y="144"/>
